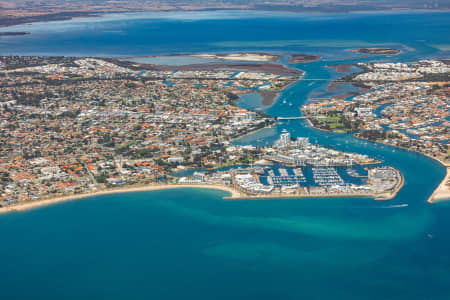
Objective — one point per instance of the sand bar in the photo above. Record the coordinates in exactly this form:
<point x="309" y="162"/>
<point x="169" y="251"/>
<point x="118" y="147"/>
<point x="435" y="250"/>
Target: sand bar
<point x="240" y="56"/>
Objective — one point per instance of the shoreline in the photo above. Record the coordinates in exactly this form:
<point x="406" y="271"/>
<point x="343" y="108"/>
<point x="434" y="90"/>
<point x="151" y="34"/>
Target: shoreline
<point x="22" y="206"/>
<point x="436" y="195"/>
<point x="63" y="15"/>
<point x="442" y="192"/>
<point x="385" y="196"/>
<point x="252" y="132"/>
<point x="300" y="196"/>
<point x="391" y="195"/>
<point x="234" y="195"/>
<point x="58" y="16"/>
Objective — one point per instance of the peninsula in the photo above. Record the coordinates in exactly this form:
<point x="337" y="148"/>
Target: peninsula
<point x="442" y="192"/>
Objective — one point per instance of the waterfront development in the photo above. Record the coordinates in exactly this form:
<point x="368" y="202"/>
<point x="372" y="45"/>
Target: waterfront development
<point x="181" y="238"/>
<point x="404" y="104"/>
<point x="94" y="124"/>
<point x="321" y="179"/>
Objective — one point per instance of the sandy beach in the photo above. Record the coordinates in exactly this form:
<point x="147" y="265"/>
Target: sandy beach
<point x="443" y="190"/>
<point x="21" y="206"/>
<point x="234" y="194"/>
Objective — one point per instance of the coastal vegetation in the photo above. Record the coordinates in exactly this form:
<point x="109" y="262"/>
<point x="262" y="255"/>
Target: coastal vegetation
<point x="332" y="121"/>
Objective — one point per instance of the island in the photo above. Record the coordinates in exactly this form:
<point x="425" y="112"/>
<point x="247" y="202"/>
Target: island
<point x="259" y="67"/>
<point x="378" y="51"/>
<point x="302" y="58"/>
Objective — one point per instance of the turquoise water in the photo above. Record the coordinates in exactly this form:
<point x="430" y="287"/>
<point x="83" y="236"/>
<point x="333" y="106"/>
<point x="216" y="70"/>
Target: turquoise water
<point x="157" y="33"/>
<point x="190" y="244"/>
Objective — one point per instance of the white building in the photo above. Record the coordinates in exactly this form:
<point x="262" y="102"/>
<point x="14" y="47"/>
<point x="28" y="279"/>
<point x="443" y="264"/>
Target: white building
<point x="198" y="176"/>
<point x="175" y="159"/>
<point x="284" y="140"/>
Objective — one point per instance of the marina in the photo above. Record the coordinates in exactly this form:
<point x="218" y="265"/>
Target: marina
<point x="286" y="178"/>
<point x="326" y="176"/>
<point x="353" y="173"/>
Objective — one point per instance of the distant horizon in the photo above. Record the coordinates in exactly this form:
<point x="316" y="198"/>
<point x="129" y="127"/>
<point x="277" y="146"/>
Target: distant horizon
<point x="20" y="12"/>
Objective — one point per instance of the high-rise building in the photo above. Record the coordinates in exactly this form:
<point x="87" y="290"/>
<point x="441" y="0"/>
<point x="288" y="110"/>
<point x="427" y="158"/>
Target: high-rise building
<point x="284" y="140"/>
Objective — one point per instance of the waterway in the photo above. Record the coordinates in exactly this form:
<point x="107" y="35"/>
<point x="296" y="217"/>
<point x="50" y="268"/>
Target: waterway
<point x="191" y="244"/>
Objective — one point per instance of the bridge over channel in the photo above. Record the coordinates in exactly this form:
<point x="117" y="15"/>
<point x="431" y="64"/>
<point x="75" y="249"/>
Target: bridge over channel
<point x="291" y="118"/>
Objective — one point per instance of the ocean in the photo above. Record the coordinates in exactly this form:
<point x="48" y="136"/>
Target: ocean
<point x="191" y="244"/>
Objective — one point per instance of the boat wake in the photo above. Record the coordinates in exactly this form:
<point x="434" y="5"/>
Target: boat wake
<point x="395" y="206"/>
